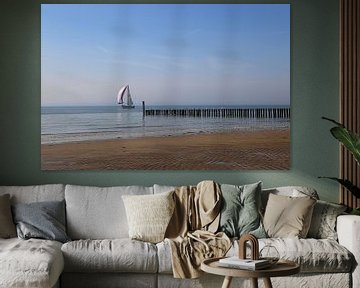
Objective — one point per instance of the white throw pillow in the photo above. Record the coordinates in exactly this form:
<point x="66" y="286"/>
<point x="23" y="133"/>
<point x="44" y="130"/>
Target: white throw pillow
<point x="149" y="215"/>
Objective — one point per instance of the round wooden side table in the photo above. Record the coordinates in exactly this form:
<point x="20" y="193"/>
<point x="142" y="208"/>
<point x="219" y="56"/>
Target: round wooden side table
<point x="281" y="268"/>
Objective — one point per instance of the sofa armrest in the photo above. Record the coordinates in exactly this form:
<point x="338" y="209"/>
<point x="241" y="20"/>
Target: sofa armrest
<point x="348" y="230"/>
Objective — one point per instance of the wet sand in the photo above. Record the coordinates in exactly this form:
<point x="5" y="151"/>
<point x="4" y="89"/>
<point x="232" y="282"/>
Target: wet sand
<point x="264" y="150"/>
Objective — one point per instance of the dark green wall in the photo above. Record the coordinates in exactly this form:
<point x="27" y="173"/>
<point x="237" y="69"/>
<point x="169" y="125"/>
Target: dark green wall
<point x="314" y="93"/>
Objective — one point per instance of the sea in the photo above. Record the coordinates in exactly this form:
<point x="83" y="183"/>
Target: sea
<point x="82" y="123"/>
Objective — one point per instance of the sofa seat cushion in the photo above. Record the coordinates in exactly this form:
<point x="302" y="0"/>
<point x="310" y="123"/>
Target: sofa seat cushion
<point x="164" y="257"/>
<point x="313" y="255"/>
<point x="115" y="255"/>
<point x="30" y="263"/>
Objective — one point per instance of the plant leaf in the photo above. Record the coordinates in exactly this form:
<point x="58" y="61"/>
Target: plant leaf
<point x="355" y="211"/>
<point x="347" y="184"/>
<point x="333" y="121"/>
<point x="348" y="138"/>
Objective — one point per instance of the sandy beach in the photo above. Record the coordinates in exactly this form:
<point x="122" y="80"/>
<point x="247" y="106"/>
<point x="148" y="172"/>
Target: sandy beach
<point x="264" y="150"/>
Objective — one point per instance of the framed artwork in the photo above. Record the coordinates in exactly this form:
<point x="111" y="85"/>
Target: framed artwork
<point x="165" y="86"/>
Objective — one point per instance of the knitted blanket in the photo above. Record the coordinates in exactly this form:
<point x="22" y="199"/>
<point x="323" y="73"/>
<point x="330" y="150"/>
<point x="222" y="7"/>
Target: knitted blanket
<point x="191" y="232"/>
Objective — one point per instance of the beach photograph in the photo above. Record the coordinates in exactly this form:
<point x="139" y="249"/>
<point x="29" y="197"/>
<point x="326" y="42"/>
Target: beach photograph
<point x="165" y="87"/>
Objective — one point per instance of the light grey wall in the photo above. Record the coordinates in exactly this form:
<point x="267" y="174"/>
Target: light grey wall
<point x="314" y="93"/>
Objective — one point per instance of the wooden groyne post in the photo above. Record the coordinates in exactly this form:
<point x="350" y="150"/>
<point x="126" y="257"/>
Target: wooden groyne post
<point x="222" y="112"/>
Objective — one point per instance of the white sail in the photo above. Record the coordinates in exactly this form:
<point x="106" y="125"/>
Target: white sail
<point x="122" y="92"/>
<point x="129" y="101"/>
<point x="124" y="97"/>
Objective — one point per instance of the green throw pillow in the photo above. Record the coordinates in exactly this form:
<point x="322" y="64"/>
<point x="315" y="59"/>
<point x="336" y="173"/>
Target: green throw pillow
<point x="240" y="213"/>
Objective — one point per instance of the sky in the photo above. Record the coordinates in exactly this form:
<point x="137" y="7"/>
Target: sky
<point x="169" y="54"/>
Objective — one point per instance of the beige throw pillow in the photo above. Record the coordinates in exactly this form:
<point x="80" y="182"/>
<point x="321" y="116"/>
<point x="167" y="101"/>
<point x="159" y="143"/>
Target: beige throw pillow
<point x="7" y="226"/>
<point x="288" y="217"/>
<point x="149" y="215"/>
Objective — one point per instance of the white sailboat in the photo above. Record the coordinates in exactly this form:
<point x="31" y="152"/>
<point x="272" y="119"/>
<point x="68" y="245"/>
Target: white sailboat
<point x="124" y="98"/>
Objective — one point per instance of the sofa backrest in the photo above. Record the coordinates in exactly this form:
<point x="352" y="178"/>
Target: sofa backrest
<point x="98" y="212"/>
<point x="162" y="188"/>
<point x="36" y="193"/>
<point x="293" y="191"/>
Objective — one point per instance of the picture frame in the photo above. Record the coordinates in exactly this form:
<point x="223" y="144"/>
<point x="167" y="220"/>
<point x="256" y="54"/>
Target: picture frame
<point x="165" y="86"/>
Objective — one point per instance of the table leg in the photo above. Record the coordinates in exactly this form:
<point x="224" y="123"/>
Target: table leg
<point x="254" y="282"/>
<point x="227" y="282"/>
<point x="267" y="283"/>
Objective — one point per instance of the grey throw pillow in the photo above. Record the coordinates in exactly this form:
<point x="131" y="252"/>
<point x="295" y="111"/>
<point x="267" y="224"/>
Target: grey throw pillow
<point x="240" y="213"/>
<point x="44" y="220"/>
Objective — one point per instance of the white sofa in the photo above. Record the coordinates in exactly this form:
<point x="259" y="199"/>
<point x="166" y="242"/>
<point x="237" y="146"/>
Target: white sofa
<point x="101" y="254"/>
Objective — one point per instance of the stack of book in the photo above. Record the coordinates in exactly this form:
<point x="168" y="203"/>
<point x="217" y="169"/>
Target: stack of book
<point x="248" y="264"/>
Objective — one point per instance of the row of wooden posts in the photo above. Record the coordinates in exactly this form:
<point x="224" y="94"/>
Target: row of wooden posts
<point x="221" y="112"/>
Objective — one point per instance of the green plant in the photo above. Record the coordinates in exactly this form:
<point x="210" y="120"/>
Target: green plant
<point x="355" y="211"/>
<point x="351" y="141"/>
